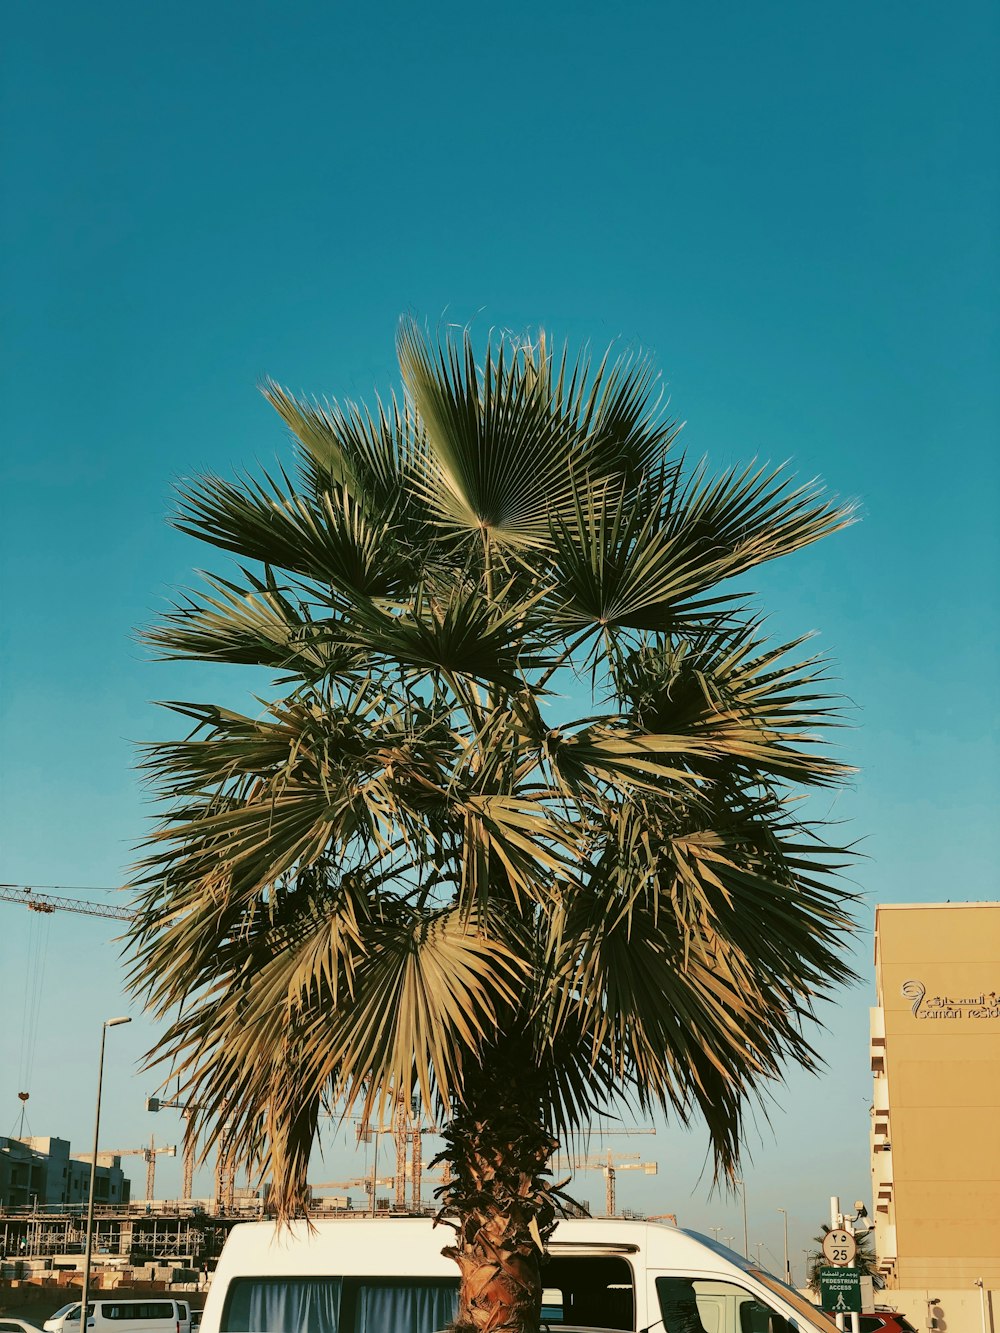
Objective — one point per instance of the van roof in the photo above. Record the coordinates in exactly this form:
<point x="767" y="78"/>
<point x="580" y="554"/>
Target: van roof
<point x="411" y="1246"/>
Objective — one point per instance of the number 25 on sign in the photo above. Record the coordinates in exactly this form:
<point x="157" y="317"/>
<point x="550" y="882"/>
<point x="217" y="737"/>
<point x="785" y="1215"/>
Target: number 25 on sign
<point x="839" y="1247"/>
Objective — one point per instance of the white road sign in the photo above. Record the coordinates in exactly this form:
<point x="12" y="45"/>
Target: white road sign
<point x="839" y="1247"/>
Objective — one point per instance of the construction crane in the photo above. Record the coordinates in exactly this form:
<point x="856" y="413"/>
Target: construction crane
<point x="225" y="1166"/>
<point x="225" y="1174"/>
<point x="610" y="1165"/>
<point x="149" y="1155"/>
<point x="47" y="902"/>
<point x="406" y="1134"/>
<point x="368" y="1183"/>
<point x="187" y="1111"/>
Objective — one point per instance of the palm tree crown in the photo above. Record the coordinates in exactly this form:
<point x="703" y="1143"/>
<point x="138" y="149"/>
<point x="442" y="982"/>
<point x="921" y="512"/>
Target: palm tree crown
<point x="415" y="871"/>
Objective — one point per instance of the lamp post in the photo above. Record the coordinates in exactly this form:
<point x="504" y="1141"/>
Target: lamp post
<point x="746" y="1233"/>
<point x="108" y="1023"/>
<point x="788" y="1271"/>
<point x="716" y="1232"/>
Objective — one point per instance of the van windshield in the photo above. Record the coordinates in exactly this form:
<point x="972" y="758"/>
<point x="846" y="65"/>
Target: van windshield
<point x="812" y="1314"/>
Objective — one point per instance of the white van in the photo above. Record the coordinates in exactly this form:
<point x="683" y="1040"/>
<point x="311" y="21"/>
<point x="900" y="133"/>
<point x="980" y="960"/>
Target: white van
<point x="387" y="1275"/>
<point x="149" y="1315"/>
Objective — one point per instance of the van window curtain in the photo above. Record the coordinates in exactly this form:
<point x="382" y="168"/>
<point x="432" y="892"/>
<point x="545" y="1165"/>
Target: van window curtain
<point x="398" y="1308"/>
<point x="283" y="1305"/>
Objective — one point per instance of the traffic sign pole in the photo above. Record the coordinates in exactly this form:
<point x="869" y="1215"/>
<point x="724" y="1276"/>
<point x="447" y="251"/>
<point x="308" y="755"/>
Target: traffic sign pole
<point x="855" y="1314"/>
<point x="840" y="1248"/>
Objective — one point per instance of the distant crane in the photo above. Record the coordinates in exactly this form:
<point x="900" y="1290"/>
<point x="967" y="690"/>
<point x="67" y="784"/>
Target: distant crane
<point x="47" y="902"/>
<point x="610" y="1165"/>
<point x="187" y="1111"/>
<point x="406" y="1134"/>
<point x="225" y="1173"/>
<point x="149" y="1155"/>
<point x="368" y="1183"/>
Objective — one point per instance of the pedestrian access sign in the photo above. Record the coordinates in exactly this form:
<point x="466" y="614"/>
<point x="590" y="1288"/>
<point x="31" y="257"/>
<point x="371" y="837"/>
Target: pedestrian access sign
<point x="840" y="1290"/>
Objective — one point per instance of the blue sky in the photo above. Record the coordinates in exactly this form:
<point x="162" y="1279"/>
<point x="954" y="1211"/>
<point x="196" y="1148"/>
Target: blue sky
<point x="794" y="207"/>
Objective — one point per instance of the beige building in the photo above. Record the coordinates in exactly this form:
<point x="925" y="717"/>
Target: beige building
<point x="935" y="1138"/>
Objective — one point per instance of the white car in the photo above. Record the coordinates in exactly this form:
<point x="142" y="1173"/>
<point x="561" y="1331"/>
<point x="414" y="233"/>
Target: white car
<point x="10" y="1325"/>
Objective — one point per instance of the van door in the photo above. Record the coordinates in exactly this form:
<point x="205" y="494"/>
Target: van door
<point x="694" y="1304"/>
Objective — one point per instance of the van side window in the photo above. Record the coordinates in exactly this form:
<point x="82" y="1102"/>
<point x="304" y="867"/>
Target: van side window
<point x="338" y="1305"/>
<point x="700" y="1305"/>
<point x="588" y="1290"/>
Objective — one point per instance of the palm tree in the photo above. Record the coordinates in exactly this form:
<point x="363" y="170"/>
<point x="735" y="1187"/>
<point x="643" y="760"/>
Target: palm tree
<point x="424" y="869"/>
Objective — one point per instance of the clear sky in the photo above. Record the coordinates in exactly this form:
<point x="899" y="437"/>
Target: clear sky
<point x="795" y="207"/>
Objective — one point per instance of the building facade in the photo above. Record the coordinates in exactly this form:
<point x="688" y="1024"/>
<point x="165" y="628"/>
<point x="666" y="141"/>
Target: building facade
<point x="41" y="1173"/>
<point x="935" y="1129"/>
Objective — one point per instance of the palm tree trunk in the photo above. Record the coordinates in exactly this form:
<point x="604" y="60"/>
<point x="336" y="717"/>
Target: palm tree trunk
<point x="498" y="1149"/>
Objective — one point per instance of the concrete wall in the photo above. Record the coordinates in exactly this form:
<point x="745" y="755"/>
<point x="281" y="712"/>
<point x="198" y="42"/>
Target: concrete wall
<point x="959" y="1311"/>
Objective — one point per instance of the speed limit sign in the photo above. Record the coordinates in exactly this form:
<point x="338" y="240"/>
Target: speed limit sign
<point x="839" y="1247"/>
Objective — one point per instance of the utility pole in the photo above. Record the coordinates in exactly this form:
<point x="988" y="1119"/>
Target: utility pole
<point x="788" y="1271"/>
<point x="89" y="1250"/>
<point x="746" y="1232"/>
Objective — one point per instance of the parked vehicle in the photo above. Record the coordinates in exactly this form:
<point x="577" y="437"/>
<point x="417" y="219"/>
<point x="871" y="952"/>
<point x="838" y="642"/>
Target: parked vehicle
<point x="388" y="1275"/>
<point x="884" y="1321"/>
<point x="8" y="1324"/>
<point x="123" y="1316"/>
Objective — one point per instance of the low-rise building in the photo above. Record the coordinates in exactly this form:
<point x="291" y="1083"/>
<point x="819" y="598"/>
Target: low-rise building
<point x="41" y="1172"/>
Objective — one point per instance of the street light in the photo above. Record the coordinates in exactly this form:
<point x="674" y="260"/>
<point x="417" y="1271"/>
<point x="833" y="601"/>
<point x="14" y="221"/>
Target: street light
<point x="788" y="1271"/>
<point x="746" y="1233"/>
<point x="108" y="1023"/>
<point x="716" y="1232"/>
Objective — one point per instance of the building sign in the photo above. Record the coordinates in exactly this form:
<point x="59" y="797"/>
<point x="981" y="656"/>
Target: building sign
<point x="840" y="1290"/>
<point x="984" y="1005"/>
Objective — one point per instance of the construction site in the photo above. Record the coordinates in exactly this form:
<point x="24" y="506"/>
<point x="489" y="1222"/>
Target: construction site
<point x="139" y="1246"/>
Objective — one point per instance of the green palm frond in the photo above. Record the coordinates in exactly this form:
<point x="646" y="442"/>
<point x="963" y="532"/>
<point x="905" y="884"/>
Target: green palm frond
<point x="255" y="625"/>
<point x="464" y="632"/>
<point x="371" y="456"/>
<point x="620" y="567"/>
<point x="754" y="514"/>
<point x="497" y="455"/>
<point x="329" y="539"/>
